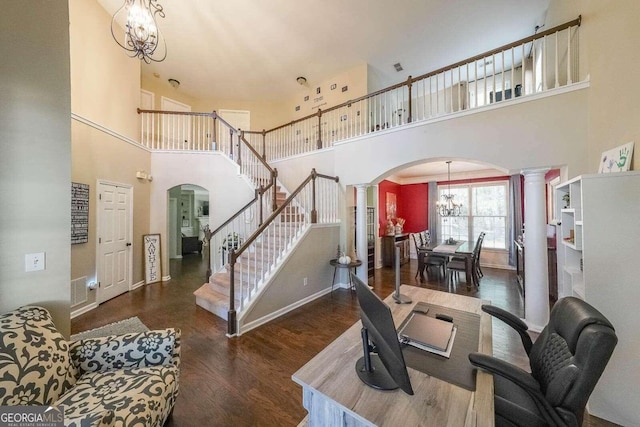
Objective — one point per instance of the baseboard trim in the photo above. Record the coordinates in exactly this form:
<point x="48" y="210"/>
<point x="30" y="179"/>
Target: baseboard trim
<point x="85" y="309"/>
<point x="261" y="321"/>
<point x="137" y="285"/>
<point x="166" y="278"/>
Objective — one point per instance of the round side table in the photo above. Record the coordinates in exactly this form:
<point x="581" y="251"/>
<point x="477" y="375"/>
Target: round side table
<point x="336" y="265"/>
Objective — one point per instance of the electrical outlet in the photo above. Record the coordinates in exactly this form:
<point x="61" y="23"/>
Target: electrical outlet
<point x="304" y="282"/>
<point x="34" y="262"/>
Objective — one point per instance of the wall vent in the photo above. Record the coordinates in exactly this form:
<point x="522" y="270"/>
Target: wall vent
<point x="79" y="291"/>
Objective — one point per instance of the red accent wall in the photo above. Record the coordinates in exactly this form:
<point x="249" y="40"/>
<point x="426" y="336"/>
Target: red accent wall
<point x="553" y="173"/>
<point x="413" y="205"/>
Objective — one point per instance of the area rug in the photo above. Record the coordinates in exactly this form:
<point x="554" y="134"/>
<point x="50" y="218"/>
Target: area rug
<point x="132" y="324"/>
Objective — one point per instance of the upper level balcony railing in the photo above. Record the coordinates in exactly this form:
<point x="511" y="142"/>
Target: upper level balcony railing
<point x="529" y="66"/>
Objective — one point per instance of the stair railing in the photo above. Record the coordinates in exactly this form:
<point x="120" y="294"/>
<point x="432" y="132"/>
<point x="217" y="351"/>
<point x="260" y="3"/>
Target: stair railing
<point x="532" y="65"/>
<point x="314" y="201"/>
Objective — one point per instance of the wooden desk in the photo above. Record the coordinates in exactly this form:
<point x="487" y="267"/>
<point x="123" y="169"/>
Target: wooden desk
<point x="464" y="250"/>
<point x="334" y="395"/>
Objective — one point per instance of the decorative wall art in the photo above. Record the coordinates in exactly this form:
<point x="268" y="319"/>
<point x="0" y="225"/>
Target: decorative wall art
<point x="617" y="159"/>
<point x="79" y="213"/>
<point x="333" y="86"/>
<point x="391" y="206"/>
<point x="152" y="263"/>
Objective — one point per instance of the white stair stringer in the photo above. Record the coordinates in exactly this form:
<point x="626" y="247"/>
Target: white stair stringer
<point x="213" y="296"/>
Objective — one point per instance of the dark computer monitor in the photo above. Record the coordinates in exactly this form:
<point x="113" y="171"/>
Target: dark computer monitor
<point x="382" y="365"/>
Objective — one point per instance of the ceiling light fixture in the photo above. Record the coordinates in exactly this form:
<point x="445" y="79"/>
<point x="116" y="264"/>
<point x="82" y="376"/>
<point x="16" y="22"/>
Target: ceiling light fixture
<point x="448" y="207"/>
<point x="141" y="33"/>
<point x="301" y="81"/>
<point x="174" y="83"/>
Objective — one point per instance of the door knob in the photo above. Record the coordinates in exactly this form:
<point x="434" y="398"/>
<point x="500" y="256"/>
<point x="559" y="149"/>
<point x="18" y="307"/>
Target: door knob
<point x="128" y="243"/>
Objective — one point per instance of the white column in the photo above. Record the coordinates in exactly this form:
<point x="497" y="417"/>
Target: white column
<point x="536" y="303"/>
<point x="361" y="231"/>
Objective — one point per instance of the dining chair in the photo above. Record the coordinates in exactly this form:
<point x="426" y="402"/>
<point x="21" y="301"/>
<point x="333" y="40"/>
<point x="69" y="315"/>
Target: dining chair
<point x="476" y="261"/>
<point x="425" y="258"/>
<point x="458" y="264"/>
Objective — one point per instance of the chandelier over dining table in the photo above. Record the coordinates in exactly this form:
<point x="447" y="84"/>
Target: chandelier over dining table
<point x="447" y="207"/>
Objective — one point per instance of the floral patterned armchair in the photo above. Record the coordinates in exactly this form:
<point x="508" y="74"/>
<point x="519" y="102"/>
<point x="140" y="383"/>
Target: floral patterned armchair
<point x="123" y="380"/>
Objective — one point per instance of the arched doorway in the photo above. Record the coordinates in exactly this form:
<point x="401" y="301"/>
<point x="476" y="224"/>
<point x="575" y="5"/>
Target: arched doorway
<point x="188" y="214"/>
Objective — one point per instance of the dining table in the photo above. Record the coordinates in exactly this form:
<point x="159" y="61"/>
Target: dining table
<point x="459" y="249"/>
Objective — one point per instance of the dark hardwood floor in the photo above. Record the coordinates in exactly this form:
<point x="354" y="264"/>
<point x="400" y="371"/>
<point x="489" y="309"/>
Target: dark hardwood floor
<point x="246" y="381"/>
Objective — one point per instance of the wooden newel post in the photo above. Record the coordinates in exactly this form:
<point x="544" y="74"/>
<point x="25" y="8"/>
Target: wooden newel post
<point x="231" y="143"/>
<point x="261" y="194"/>
<point x="314" y="211"/>
<point x="274" y="177"/>
<point x="319" y="129"/>
<point x="240" y="137"/>
<point x="207" y="240"/>
<point x="214" y="137"/>
<point x="409" y="117"/>
<point x="264" y="144"/>
<point x="231" y="314"/>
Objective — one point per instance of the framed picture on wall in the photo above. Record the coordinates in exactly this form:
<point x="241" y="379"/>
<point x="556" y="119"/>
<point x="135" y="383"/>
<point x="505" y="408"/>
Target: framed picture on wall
<point x="152" y="258"/>
<point x="391" y="206"/>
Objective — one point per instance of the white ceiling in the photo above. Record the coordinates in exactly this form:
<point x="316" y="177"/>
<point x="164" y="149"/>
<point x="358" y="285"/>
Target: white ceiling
<point x="255" y="49"/>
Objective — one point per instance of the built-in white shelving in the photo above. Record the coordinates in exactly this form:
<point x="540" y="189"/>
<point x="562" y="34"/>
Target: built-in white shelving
<point x="598" y="244"/>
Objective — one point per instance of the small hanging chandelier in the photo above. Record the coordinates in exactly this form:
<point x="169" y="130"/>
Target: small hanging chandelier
<point x="141" y="33"/>
<point x="448" y="207"/>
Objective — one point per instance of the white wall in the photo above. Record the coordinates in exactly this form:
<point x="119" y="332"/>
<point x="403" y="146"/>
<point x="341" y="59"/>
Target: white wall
<point x="310" y="260"/>
<point x="228" y="191"/>
<point x="35" y="156"/>
<point x="540" y="132"/>
<point x="608" y="44"/>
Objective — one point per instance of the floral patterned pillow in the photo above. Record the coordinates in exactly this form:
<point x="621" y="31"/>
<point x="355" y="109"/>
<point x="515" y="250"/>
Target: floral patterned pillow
<point x="134" y="350"/>
<point x="34" y="358"/>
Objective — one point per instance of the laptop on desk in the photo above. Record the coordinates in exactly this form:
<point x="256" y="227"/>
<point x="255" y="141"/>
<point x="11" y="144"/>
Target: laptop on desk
<point x="427" y="333"/>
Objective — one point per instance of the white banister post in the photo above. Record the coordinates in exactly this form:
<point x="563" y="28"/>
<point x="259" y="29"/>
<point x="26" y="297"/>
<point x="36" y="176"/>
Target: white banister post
<point x="361" y="231"/>
<point x="536" y="303"/>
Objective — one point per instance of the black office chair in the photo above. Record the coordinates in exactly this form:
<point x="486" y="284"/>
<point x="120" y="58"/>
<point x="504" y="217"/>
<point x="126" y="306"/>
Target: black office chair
<point x="566" y="362"/>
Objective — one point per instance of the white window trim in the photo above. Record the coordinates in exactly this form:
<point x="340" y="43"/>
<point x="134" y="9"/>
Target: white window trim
<point x="469" y="187"/>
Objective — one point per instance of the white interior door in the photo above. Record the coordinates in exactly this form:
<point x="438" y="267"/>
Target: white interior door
<point x="114" y="240"/>
<point x="147" y="100"/>
<point x="239" y="119"/>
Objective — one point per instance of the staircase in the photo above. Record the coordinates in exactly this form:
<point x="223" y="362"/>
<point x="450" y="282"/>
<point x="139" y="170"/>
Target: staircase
<point x="213" y="296"/>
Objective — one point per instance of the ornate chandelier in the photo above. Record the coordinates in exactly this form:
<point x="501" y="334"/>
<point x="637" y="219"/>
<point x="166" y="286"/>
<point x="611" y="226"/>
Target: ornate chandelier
<point x="141" y="33"/>
<point x="448" y="207"/>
